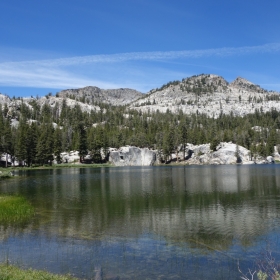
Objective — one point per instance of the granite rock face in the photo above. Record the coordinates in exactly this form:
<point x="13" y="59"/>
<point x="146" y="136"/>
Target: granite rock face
<point x="132" y="156"/>
<point x="70" y="157"/>
<point x="202" y="94"/>
<point x="121" y="96"/>
<point x="53" y="101"/>
<point x="229" y="153"/>
<point x="4" y="99"/>
<point x="226" y="153"/>
<point x="86" y="98"/>
<point x="211" y="95"/>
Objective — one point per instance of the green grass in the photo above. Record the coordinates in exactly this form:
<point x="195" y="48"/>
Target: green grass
<point x="54" y="166"/>
<point x="10" y="272"/>
<point x="14" y="209"/>
<point x="69" y="165"/>
<point x="5" y="173"/>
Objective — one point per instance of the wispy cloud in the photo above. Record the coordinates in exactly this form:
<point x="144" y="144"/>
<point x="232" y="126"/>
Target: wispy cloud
<point x="47" y="78"/>
<point x="149" y="56"/>
<point x="109" y="71"/>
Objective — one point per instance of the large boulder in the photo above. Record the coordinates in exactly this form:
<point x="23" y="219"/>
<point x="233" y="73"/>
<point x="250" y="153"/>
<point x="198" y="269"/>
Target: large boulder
<point x="132" y="156"/>
<point x="270" y="159"/>
<point x="226" y="153"/>
<point x="70" y="157"/>
<point x="229" y="153"/>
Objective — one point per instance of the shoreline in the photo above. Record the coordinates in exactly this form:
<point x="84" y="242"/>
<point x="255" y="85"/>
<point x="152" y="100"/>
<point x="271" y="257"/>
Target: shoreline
<point x="8" y="172"/>
<point x="5" y="172"/>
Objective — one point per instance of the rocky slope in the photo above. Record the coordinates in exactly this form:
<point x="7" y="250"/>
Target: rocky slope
<point x="86" y="98"/>
<point x="121" y="96"/>
<point x="202" y="94"/>
<point x="211" y="95"/>
<point x="57" y="101"/>
<point x="14" y="105"/>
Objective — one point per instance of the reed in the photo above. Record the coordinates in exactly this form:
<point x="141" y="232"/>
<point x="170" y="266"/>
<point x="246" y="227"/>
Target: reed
<point x="13" y="272"/>
<point x="14" y="209"/>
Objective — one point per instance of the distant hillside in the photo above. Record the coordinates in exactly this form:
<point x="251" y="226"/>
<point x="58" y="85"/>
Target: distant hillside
<point x="209" y="94"/>
<point x="91" y="95"/>
<point x="202" y="94"/>
<point x="88" y="98"/>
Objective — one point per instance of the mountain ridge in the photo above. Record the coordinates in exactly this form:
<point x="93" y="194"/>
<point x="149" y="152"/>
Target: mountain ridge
<point x="208" y="94"/>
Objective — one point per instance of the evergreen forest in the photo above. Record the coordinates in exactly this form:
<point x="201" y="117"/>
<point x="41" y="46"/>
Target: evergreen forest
<point x="43" y="133"/>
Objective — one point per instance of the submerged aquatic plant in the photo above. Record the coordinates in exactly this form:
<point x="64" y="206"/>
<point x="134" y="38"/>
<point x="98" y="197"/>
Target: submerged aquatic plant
<point x="14" y="209"/>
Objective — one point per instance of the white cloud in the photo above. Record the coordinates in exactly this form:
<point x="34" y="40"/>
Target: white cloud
<point x="47" y="78"/>
<point x="150" y="56"/>
<point x="109" y="71"/>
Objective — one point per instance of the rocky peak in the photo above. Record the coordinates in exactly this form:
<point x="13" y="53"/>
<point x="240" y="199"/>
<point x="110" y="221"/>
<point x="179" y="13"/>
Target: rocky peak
<point x="243" y="84"/>
<point x="90" y="95"/>
<point x="204" y="84"/>
<point x="209" y="94"/>
<point x="206" y="79"/>
<point x="241" y="81"/>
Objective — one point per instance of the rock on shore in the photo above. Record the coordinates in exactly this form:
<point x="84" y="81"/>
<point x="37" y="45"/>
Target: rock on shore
<point x="226" y="153"/>
<point x="132" y="156"/>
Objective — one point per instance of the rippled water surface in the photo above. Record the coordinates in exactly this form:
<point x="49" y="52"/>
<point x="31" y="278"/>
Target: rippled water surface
<point x="192" y="222"/>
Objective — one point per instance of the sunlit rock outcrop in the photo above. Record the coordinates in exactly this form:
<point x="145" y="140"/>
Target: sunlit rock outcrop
<point x="132" y="156"/>
<point x="70" y="157"/>
<point x="209" y="94"/>
<point x="91" y="94"/>
<point x="226" y="153"/>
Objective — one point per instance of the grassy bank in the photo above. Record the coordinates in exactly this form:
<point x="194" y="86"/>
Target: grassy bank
<point x="14" y="209"/>
<point x="54" y="166"/>
<point x="65" y="165"/>
<point x="10" y="272"/>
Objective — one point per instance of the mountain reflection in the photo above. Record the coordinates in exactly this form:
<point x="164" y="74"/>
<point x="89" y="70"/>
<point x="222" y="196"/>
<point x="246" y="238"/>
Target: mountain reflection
<point x="200" y="205"/>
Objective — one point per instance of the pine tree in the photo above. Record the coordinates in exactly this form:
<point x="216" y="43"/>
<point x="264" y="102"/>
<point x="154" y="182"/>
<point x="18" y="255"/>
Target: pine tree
<point x="159" y="143"/>
<point x="6" y="142"/>
<point x="168" y="143"/>
<point x="57" y="144"/>
<point x="261" y="149"/>
<point x="21" y="141"/>
<point x="44" y="148"/>
<point x="183" y="136"/>
<point x="271" y="142"/>
<point x="31" y="143"/>
<point x="2" y="126"/>
<point x="82" y="141"/>
<point x="237" y="155"/>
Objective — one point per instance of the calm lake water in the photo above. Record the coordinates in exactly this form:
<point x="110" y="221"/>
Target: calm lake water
<point x="192" y="222"/>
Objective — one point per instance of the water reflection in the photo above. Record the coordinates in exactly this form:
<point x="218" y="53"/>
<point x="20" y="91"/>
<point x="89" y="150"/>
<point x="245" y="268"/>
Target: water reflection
<point x="210" y="208"/>
<point x="177" y="203"/>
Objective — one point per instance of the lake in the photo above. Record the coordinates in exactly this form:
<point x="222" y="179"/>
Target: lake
<point x="192" y="222"/>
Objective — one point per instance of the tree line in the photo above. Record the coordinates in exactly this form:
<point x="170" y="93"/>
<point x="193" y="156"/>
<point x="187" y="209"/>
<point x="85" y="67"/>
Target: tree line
<point x="43" y="133"/>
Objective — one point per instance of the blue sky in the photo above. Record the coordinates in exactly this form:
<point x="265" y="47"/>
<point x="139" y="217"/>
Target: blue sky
<point x="47" y="46"/>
